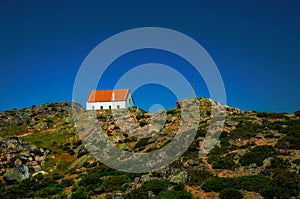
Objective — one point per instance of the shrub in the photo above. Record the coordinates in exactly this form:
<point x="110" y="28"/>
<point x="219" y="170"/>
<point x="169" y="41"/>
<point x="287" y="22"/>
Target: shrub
<point x="217" y="184"/>
<point x="216" y="152"/>
<point x="257" y="155"/>
<point x="230" y="193"/>
<point x="285" y="184"/>
<point x="198" y="176"/>
<point x="79" y="195"/>
<point x="262" y="114"/>
<point x="172" y="194"/>
<point x="224" y="162"/>
<point x="50" y="190"/>
<point x="292" y="127"/>
<point x="156" y="186"/>
<point x="245" y="129"/>
<point x="297" y="113"/>
<point x="250" y="183"/>
<point x="57" y="176"/>
<point x="290" y="141"/>
<point x="143" y="123"/>
<point x="115" y="183"/>
<point x="82" y="153"/>
<point x="141" y="143"/>
<point x="279" y="163"/>
<point x="90" y="181"/>
<point x="137" y="193"/>
<point x="67" y="182"/>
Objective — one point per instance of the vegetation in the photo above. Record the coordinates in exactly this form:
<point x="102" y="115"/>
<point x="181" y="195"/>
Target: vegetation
<point x="172" y="194"/>
<point x="198" y="176"/>
<point x="257" y="155"/>
<point x="155" y="186"/>
<point x="224" y="162"/>
<point x="290" y="141"/>
<point x="245" y="129"/>
<point x="284" y="184"/>
<point x="231" y="193"/>
<point x="256" y="152"/>
<point x="250" y="183"/>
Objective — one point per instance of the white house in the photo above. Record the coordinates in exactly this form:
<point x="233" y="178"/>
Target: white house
<point x="109" y="99"/>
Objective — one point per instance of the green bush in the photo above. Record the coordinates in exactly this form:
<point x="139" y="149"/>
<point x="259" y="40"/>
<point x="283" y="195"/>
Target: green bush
<point x="225" y="162"/>
<point x="67" y="182"/>
<point x="172" y="194"/>
<point x="297" y="113"/>
<point x="57" y="176"/>
<point x="293" y="127"/>
<point x="143" y="123"/>
<point x="79" y="195"/>
<point x="279" y="163"/>
<point x="115" y="183"/>
<point x="250" y="183"/>
<point x="156" y="186"/>
<point x="53" y="189"/>
<point x="90" y="181"/>
<point x="257" y="155"/>
<point x="141" y="143"/>
<point x="290" y="141"/>
<point x="216" y="152"/>
<point x="198" y="176"/>
<point x="262" y="114"/>
<point x="245" y="129"/>
<point x="285" y="184"/>
<point x="137" y="193"/>
<point x="230" y="193"/>
<point x="82" y="153"/>
<point x="31" y="188"/>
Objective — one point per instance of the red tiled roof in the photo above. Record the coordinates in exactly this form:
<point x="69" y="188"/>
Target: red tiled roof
<point x="107" y="95"/>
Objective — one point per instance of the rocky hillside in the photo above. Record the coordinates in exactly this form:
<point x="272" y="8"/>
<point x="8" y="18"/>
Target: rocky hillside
<point x="256" y="156"/>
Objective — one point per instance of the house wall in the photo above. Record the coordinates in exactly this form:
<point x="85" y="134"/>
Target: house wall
<point x="97" y="105"/>
<point x="129" y="101"/>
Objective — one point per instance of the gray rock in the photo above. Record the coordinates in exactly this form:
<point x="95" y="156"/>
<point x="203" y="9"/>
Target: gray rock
<point x="18" y="162"/>
<point x="17" y="174"/>
<point x="267" y="162"/>
<point x="36" y="168"/>
<point x="253" y="166"/>
<point x="146" y="177"/>
<point x="42" y="125"/>
<point x="181" y="178"/>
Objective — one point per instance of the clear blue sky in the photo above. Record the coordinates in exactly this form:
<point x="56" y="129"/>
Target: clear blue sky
<point x="255" y="44"/>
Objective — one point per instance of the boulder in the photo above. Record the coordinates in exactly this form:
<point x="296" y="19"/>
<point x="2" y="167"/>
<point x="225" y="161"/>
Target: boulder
<point x="146" y="178"/>
<point x="181" y="178"/>
<point x="209" y="143"/>
<point x="17" y="174"/>
<point x="42" y="125"/>
<point x="267" y="162"/>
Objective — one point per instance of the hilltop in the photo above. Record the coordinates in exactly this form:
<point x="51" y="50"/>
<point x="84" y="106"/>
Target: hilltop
<point x="256" y="156"/>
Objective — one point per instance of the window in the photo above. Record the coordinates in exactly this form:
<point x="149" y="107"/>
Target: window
<point x="93" y="107"/>
<point x="101" y="107"/>
<point x="109" y="107"/>
<point x="118" y="106"/>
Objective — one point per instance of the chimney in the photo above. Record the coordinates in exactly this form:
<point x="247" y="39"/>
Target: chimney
<point x="113" y="96"/>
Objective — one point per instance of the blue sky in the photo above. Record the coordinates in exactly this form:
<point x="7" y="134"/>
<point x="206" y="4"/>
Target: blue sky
<point x="255" y="45"/>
